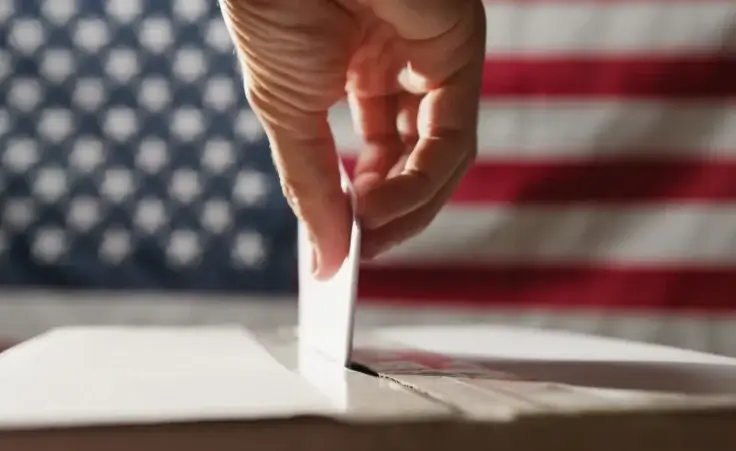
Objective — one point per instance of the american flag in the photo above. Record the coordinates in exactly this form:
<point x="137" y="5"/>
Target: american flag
<point x="606" y="175"/>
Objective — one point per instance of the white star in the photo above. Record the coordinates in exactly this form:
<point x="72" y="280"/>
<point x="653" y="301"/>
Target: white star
<point x="50" y="184"/>
<point x="20" y="155"/>
<point x="26" y="35"/>
<point x="220" y="94"/>
<point x="49" y="245"/>
<point x="150" y="215"/>
<point x="124" y="11"/>
<point x="249" y="249"/>
<point x="217" y="156"/>
<point x="218" y="37"/>
<point x="89" y="94"/>
<point x="248" y="127"/>
<point x="189" y="64"/>
<point x="122" y="64"/>
<point x="25" y="93"/>
<point x="121" y="124"/>
<point x="58" y="12"/>
<point x="250" y="187"/>
<point x="152" y="156"/>
<point x="57" y="65"/>
<point x="184" y="248"/>
<point x="83" y="213"/>
<point x="56" y="124"/>
<point x="155" y="34"/>
<point x="91" y="34"/>
<point x="154" y="93"/>
<point x="187" y="124"/>
<point x="87" y="155"/>
<point x="115" y="246"/>
<point x="185" y="185"/>
<point x="216" y="216"/>
<point x="117" y="184"/>
<point x="189" y="10"/>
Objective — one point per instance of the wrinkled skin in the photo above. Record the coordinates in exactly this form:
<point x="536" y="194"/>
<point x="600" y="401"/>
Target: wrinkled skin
<point x="412" y="73"/>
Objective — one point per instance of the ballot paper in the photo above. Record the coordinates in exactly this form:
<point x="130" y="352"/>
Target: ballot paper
<point x="326" y="308"/>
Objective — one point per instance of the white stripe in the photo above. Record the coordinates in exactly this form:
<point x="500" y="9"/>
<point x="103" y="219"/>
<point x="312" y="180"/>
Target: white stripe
<point x="534" y="129"/>
<point x="595" y="27"/>
<point x="687" y="234"/>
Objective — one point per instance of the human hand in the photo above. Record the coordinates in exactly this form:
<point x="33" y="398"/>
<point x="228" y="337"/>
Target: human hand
<point x="412" y="72"/>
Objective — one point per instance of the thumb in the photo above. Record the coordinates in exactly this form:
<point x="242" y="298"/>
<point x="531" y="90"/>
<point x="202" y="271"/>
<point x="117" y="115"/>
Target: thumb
<point x="310" y="179"/>
<point x="290" y="87"/>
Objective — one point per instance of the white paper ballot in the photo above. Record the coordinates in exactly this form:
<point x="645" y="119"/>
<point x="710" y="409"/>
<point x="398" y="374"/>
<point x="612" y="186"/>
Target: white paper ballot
<point x="326" y="307"/>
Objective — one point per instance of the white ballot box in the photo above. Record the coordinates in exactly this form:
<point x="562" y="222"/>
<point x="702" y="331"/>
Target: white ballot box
<point x="409" y="388"/>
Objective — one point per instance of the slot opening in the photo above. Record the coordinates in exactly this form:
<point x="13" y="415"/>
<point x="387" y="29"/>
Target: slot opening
<point x="360" y="368"/>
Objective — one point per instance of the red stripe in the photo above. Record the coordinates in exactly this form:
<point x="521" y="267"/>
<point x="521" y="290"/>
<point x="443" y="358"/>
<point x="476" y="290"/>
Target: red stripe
<point x="554" y="286"/>
<point x="681" y="77"/>
<point x="608" y="182"/>
<point x="595" y="2"/>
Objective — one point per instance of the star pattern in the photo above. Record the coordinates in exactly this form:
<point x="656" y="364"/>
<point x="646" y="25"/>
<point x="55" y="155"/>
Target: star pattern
<point x="128" y="155"/>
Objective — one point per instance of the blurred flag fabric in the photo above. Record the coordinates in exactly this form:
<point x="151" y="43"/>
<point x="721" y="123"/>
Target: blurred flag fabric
<point x="128" y="156"/>
<point x="606" y="176"/>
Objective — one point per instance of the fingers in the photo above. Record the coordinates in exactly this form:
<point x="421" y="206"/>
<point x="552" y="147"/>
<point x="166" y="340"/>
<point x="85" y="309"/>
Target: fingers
<point x="447" y="137"/>
<point x="377" y="241"/>
<point x="373" y="97"/>
<point x="438" y="37"/>
<point x="304" y="154"/>
<point x="310" y="181"/>
<point x="407" y="119"/>
<point x="295" y="71"/>
<point x="374" y="118"/>
<point x="427" y="170"/>
<point x="445" y="70"/>
<point x="388" y="127"/>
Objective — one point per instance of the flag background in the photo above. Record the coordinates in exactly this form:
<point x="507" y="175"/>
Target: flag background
<point x="603" y="198"/>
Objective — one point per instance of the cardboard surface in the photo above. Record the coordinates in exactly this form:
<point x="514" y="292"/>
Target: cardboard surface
<point x="574" y="359"/>
<point x="115" y="375"/>
<point x="220" y="387"/>
<point x="502" y="372"/>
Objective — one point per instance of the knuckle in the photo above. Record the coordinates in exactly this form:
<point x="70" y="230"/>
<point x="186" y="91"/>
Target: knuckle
<point x="307" y="198"/>
<point x="424" y="183"/>
<point x="297" y="66"/>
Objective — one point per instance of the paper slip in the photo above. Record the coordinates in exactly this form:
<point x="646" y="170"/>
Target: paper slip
<point x="326" y="308"/>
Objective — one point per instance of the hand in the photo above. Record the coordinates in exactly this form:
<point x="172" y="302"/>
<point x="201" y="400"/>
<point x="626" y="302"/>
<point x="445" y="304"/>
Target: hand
<point x="412" y="71"/>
